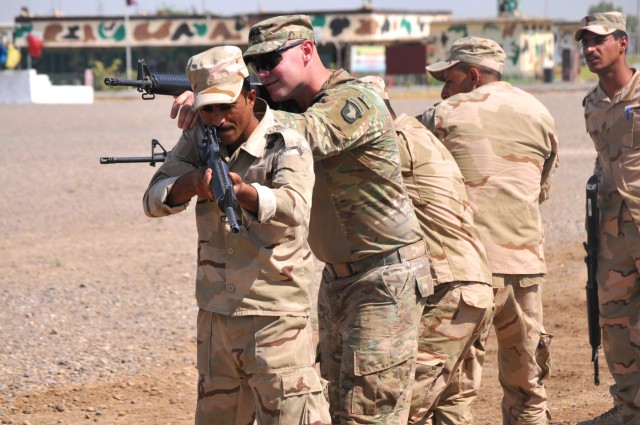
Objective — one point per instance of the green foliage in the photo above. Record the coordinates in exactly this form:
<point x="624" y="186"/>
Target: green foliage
<point x="170" y="10"/>
<point x="100" y="72"/>
<point x="608" y="6"/>
<point x="604" y="6"/>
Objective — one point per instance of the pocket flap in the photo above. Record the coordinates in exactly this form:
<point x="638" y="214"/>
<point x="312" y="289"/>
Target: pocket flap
<point x="477" y="295"/>
<point x="303" y="381"/>
<point x="390" y="352"/>
<point x="425" y="285"/>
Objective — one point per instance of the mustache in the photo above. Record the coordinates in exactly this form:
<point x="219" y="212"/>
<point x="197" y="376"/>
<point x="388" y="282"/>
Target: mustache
<point x="223" y="127"/>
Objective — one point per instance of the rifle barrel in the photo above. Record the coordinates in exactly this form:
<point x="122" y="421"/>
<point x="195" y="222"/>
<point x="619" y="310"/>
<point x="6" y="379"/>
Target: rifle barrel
<point x="114" y="82"/>
<point x="596" y="369"/>
<point x="130" y="159"/>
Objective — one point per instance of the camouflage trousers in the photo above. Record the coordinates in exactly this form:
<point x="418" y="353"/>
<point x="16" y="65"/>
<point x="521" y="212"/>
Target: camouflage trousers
<point x="523" y="358"/>
<point x="258" y="368"/>
<point x="454" y="405"/>
<point x="368" y="329"/>
<point x="619" y="298"/>
<point x="454" y="317"/>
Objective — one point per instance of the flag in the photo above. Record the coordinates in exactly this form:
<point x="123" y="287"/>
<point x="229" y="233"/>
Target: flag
<point x="13" y="56"/>
<point x="35" y="46"/>
<point x="132" y="2"/>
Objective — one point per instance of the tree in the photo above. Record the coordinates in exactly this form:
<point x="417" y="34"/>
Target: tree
<point x="608" y="6"/>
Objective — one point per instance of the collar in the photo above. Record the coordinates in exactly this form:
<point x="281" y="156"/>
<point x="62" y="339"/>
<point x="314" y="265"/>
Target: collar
<point x="255" y="144"/>
<point x="625" y="94"/>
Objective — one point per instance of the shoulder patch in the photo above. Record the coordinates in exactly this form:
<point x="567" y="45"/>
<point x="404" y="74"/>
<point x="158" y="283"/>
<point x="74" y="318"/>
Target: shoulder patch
<point x="351" y="111"/>
<point x="364" y="101"/>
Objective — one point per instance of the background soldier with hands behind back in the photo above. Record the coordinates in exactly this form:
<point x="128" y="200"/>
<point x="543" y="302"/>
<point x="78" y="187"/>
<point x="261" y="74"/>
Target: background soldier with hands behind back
<point x="461" y="307"/>
<point x="616" y="137"/>
<point x="505" y="143"/>
<point x="255" y="351"/>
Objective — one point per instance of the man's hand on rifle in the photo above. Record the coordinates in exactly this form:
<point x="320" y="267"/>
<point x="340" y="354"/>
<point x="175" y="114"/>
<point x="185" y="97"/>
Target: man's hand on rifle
<point x="246" y="194"/>
<point x="182" y="108"/>
<point x="194" y="183"/>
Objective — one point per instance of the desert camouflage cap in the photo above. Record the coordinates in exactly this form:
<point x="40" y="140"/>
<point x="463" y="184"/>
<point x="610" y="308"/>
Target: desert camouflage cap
<point x="216" y="75"/>
<point x="474" y="50"/>
<point x="602" y="24"/>
<point x="377" y="84"/>
<point x="268" y="35"/>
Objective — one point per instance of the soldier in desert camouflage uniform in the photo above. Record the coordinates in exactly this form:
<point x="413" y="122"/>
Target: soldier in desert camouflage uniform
<point x="255" y="351"/>
<point x="460" y="310"/>
<point x="505" y="144"/>
<point x="363" y="226"/>
<point x="616" y="136"/>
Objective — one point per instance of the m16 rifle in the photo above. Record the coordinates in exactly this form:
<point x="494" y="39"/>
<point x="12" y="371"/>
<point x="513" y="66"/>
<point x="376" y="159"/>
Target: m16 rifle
<point x="167" y="84"/>
<point x="591" y="246"/>
<point x="155" y="156"/>
<point x="149" y="84"/>
<point x="174" y="85"/>
<point x="221" y="184"/>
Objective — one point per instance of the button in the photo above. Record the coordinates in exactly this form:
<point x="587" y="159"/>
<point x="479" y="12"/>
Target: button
<point x="230" y="251"/>
<point x="231" y="288"/>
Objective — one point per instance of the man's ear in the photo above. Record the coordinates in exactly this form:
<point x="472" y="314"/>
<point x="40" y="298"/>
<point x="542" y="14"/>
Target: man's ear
<point x="307" y="50"/>
<point x="251" y="97"/>
<point x="474" y="76"/>
<point x="624" y="44"/>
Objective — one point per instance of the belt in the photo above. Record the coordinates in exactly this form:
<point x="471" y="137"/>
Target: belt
<point x="403" y="254"/>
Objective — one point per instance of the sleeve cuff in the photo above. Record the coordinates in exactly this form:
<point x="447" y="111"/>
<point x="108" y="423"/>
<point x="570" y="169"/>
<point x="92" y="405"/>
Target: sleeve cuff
<point x="266" y="203"/>
<point x="158" y="197"/>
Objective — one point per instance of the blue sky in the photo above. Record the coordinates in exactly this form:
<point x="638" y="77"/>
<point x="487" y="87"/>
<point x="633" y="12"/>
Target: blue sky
<point x="556" y="9"/>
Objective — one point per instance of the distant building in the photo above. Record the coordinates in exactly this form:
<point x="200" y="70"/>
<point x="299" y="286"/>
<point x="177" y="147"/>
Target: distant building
<point x="528" y="42"/>
<point x="396" y="44"/>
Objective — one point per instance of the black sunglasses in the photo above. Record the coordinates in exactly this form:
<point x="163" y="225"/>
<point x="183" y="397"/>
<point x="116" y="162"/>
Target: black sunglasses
<point x="595" y="41"/>
<point x="270" y="60"/>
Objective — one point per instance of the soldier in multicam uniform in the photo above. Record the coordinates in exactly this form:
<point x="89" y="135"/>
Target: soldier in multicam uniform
<point x="255" y="352"/>
<point x="460" y="310"/>
<point x="363" y="226"/>
<point x="505" y="144"/>
<point x="616" y="136"/>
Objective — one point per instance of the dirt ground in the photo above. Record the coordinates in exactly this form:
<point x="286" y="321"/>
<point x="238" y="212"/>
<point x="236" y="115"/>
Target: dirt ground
<point x="70" y="225"/>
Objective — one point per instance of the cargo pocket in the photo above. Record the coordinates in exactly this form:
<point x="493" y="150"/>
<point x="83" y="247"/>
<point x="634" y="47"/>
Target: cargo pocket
<point x="477" y="295"/>
<point x="304" y="398"/>
<point x="303" y="381"/>
<point x="429" y="380"/>
<point x="542" y="356"/>
<point x="204" y="341"/>
<point x="379" y="383"/>
<point x="425" y="285"/>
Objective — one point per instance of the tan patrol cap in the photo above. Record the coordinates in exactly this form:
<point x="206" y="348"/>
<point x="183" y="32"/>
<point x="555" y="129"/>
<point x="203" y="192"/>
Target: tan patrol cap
<point x="602" y="24"/>
<point x="377" y="84"/>
<point x="266" y="36"/>
<point x="473" y="50"/>
<point x="216" y="75"/>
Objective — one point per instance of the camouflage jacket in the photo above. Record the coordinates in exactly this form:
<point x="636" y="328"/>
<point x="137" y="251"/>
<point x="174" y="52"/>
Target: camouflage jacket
<point x="360" y="204"/>
<point x="436" y="188"/>
<point x="505" y="143"/>
<point x="266" y="268"/>
<point x="617" y="141"/>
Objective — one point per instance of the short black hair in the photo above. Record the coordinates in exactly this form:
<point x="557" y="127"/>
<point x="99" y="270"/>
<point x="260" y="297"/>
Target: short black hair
<point x="618" y="34"/>
<point x="246" y="86"/>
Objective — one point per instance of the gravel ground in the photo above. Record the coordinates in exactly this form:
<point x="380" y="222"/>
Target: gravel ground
<point x="94" y="293"/>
